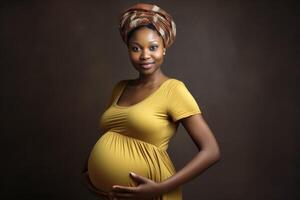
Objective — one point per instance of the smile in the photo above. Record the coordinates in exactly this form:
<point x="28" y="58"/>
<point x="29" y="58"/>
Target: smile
<point x="146" y="65"/>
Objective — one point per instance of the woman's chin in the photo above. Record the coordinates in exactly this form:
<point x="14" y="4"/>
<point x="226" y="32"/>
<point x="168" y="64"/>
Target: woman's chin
<point x="143" y="70"/>
<point x="146" y="72"/>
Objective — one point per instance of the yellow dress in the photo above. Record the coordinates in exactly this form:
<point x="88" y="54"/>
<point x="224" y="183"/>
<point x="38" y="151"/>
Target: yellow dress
<point x="136" y="137"/>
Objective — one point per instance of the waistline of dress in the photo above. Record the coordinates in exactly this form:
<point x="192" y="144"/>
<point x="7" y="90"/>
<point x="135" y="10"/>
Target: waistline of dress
<point x="141" y="141"/>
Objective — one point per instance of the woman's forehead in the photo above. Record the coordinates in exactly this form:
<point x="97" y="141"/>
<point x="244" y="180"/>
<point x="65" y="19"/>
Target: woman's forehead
<point x="145" y="35"/>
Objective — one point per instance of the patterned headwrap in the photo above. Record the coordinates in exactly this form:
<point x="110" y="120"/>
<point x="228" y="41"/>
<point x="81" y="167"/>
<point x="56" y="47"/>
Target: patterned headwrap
<point x="144" y="14"/>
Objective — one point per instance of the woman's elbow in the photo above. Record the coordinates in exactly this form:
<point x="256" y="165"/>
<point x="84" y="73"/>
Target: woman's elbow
<point x="216" y="154"/>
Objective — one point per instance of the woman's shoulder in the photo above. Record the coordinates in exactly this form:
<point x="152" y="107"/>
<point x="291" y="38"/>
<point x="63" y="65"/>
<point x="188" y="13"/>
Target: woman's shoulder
<point x="173" y="82"/>
<point x="117" y="85"/>
<point x="177" y="86"/>
<point x="120" y="82"/>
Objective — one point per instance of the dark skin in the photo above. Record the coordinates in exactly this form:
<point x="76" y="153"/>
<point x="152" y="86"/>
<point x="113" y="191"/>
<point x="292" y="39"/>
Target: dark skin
<point x="146" y="46"/>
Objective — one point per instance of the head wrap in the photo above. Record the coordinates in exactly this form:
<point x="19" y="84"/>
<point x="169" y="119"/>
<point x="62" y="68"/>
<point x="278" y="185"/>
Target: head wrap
<point x="144" y="14"/>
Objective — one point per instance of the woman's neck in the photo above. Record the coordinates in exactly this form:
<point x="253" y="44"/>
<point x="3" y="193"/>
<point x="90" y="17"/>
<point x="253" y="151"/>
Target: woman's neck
<point x="151" y="79"/>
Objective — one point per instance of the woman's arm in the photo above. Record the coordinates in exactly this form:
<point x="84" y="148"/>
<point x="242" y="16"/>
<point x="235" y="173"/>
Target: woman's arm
<point x="209" y="153"/>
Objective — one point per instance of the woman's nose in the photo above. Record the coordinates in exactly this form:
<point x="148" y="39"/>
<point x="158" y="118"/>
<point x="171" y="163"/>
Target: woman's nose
<point x="145" y="55"/>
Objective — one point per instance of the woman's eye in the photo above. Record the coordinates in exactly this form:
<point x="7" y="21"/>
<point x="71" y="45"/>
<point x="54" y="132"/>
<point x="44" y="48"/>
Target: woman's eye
<point x="134" y="48"/>
<point x="153" y="48"/>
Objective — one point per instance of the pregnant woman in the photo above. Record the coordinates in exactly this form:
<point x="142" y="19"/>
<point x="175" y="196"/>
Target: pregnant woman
<point x="142" y="116"/>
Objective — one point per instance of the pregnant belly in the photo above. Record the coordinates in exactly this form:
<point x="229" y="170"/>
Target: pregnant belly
<point x="114" y="156"/>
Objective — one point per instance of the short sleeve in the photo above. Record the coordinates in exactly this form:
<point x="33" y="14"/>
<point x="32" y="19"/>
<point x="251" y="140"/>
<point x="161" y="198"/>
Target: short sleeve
<point x="181" y="103"/>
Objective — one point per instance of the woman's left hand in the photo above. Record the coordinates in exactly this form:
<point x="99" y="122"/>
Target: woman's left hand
<point x="146" y="189"/>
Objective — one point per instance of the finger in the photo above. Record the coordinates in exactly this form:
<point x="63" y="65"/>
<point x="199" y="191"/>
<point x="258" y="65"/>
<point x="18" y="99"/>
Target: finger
<point x="138" y="178"/>
<point x="123" y="189"/>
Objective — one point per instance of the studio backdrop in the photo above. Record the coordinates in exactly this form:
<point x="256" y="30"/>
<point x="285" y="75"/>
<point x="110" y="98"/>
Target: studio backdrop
<point x="61" y="58"/>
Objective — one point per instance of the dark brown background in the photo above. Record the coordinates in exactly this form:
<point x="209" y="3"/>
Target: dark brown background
<point x="60" y="59"/>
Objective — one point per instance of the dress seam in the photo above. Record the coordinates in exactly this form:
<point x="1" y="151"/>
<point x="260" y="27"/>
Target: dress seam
<point x="187" y="114"/>
<point x="147" y="143"/>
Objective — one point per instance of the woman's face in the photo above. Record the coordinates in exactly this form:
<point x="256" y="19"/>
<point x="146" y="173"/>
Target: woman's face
<point x="146" y="50"/>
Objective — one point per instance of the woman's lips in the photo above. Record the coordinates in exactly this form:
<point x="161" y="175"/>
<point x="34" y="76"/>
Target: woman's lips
<point x="146" y="65"/>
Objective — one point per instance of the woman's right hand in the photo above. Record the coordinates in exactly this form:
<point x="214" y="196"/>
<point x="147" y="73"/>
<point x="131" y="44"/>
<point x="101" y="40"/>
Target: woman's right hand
<point x="95" y="191"/>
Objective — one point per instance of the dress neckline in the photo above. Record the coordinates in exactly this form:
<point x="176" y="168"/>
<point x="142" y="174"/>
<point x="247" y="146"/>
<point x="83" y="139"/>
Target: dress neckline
<point x="143" y="100"/>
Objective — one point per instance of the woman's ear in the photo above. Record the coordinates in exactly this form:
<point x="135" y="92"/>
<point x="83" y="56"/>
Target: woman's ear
<point x="164" y="53"/>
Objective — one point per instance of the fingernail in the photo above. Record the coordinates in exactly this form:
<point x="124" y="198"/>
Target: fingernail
<point x="133" y="174"/>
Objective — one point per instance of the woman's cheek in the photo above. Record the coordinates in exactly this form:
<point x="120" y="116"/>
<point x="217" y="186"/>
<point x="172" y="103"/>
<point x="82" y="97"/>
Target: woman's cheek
<point x="134" y="57"/>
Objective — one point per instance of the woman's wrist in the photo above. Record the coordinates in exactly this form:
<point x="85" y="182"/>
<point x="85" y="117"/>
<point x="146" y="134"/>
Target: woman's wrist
<point x="164" y="187"/>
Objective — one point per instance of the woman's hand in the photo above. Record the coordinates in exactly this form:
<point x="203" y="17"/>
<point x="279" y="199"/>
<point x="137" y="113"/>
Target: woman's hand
<point x="91" y="188"/>
<point x="146" y="189"/>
